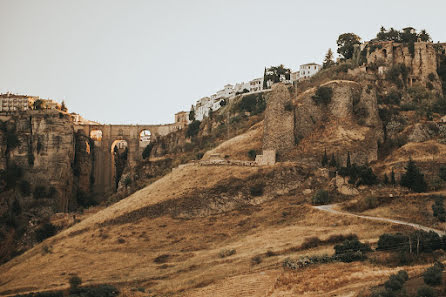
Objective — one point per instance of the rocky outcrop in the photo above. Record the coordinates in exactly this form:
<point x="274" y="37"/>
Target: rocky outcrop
<point x="348" y="123"/>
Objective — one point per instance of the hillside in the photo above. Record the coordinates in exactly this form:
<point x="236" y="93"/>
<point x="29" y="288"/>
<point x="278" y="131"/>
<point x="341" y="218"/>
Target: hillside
<point x="170" y="238"/>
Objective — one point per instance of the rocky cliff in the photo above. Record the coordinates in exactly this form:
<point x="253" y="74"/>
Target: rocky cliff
<point x="44" y="168"/>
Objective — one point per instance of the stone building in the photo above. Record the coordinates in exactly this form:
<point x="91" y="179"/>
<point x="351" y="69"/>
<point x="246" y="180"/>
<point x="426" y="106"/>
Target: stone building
<point x="11" y="102"/>
<point x="182" y="118"/>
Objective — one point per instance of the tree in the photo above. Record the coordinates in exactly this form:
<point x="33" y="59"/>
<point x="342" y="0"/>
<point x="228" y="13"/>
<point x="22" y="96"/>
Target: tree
<point x="192" y="114"/>
<point x="274" y="72"/>
<point x="349" y="164"/>
<point x="323" y="95"/>
<point x="38" y="104"/>
<point x="265" y="86"/>
<point x="63" y="107"/>
<point x="328" y="61"/>
<point x="325" y="158"/>
<point x="346" y="43"/>
<point x="392" y="178"/>
<point x="332" y="161"/>
<point x="386" y="179"/>
<point x="413" y="178"/>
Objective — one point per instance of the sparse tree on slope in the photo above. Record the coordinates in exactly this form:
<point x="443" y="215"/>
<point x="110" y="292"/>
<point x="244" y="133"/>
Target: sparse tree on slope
<point x="328" y="61"/>
<point x="413" y="178"/>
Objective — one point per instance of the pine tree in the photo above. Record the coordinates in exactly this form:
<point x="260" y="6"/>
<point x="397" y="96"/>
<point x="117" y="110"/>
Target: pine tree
<point x="413" y="178"/>
<point x="332" y="161"/>
<point x="349" y="164"/>
<point x="265" y="86"/>
<point x="392" y="178"/>
<point x="63" y="107"/>
<point x="325" y="158"/>
<point x="192" y="114"/>
<point x="328" y="61"/>
<point x="386" y="179"/>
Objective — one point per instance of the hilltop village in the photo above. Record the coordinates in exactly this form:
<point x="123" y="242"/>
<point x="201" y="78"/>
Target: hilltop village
<point x="326" y="181"/>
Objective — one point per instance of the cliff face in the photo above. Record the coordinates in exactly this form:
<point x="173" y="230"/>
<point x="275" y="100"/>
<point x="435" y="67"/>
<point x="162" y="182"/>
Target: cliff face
<point x="44" y="166"/>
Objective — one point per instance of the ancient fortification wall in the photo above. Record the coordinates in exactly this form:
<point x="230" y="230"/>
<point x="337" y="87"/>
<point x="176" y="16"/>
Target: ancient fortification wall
<point x="278" y="131"/>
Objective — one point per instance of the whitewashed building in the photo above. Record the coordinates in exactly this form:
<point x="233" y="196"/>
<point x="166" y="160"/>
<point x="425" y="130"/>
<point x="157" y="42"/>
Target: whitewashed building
<point x="308" y="70"/>
<point x="241" y="87"/>
<point x="11" y="102"/>
<point x="256" y="84"/>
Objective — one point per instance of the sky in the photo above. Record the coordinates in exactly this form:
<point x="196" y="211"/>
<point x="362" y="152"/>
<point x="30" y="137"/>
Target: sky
<point x="141" y="61"/>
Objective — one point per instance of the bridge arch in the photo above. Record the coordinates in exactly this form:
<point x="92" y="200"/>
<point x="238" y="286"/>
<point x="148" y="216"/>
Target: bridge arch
<point x="145" y="137"/>
<point x="119" y="150"/>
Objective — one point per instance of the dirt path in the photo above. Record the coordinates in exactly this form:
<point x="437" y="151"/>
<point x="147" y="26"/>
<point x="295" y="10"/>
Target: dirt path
<point x="330" y="208"/>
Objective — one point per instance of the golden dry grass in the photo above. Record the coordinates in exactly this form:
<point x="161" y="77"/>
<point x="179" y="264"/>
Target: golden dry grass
<point x="237" y="148"/>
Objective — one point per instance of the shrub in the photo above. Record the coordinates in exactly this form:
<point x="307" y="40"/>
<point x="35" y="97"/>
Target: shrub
<point x="75" y="281"/>
<point x="147" y="150"/>
<point x="442" y="173"/>
<point x="288" y="106"/>
<point x="226" y="253"/>
<point x="351" y="250"/>
<point x="433" y="275"/>
<point x="426" y="291"/>
<point x="323" y="95"/>
<point x="396" y="241"/>
<point x="25" y="188"/>
<point x="45" y="231"/>
<point x="253" y="103"/>
<point x="438" y="208"/>
<point x="321" y="197"/>
<point x="256" y="260"/>
<point x="252" y="154"/>
<point x="39" y="192"/>
<point x="359" y="175"/>
<point x="310" y="242"/>
<point x="257" y="189"/>
<point x="161" y="259"/>
<point x="431" y="76"/>
<point x="193" y="129"/>
<point x="85" y="200"/>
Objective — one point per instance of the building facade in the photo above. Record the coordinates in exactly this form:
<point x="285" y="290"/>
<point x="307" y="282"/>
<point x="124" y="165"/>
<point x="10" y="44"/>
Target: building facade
<point x="12" y="102"/>
<point x="308" y="70"/>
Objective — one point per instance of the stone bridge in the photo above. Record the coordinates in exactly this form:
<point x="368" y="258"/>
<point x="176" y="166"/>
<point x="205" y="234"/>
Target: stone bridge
<point x="108" y="136"/>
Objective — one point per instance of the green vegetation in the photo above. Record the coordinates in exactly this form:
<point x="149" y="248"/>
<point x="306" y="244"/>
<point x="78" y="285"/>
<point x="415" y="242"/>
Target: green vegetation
<point x="257" y="189"/>
<point x="147" y="150"/>
<point x="323" y="95"/>
<point x="413" y="178"/>
<point x="320" y="197"/>
<point x="346" y="43"/>
<point x="351" y="250"/>
<point x="359" y="175"/>
<point x="45" y="231"/>
<point x="252" y="103"/>
<point x="192" y="114"/>
<point x="416" y="242"/>
<point x="433" y="275"/>
<point x="252" y="154"/>
<point x="273" y="73"/>
<point x="393" y="286"/>
<point x="328" y="60"/>
<point x="438" y="208"/>
<point x="398" y="74"/>
<point x="193" y="129"/>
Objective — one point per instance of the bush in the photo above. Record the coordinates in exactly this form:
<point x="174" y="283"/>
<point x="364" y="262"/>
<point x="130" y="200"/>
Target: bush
<point x="438" y="208"/>
<point x="193" y="129"/>
<point x="321" y="197"/>
<point x="351" y="250"/>
<point x="25" y="188"/>
<point x="75" y="282"/>
<point x="310" y="242"/>
<point x="85" y="200"/>
<point x="426" y="291"/>
<point x="252" y="154"/>
<point x="396" y="241"/>
<point x="253" y="103"/>
<point x="433" y="275"/>
<point x="323" y="95"/>
<point x="359" y="175"/>
<point x="257" y="189"/>
<point x="256" y="260"/>
<point x="442" y="173"/>
<point x="39" y="192"/>
<point x="289" y="106"/>
<point x="147" y="150"/>
<point x="45" y="231"/>
<point x="226" y="253"/>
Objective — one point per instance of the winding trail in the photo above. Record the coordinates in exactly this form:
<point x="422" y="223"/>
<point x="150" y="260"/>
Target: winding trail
<point x="330" y="208"/>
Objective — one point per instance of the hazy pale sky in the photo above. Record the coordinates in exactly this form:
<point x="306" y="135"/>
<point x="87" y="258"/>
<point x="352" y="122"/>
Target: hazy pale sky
<point x="135" y="61"/>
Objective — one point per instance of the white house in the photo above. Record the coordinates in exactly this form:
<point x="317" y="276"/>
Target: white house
<point x="256" y="84"/>
<point x="308" y="70"/>
<point x="241" y="87"/>
<point x="295" y="76"/>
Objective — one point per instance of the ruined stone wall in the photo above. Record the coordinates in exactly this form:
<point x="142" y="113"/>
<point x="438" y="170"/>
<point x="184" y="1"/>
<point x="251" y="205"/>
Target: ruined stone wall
<point x="421" y="63"/>
<point x="278" y="133"/>
<point x="349" y="123"/>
